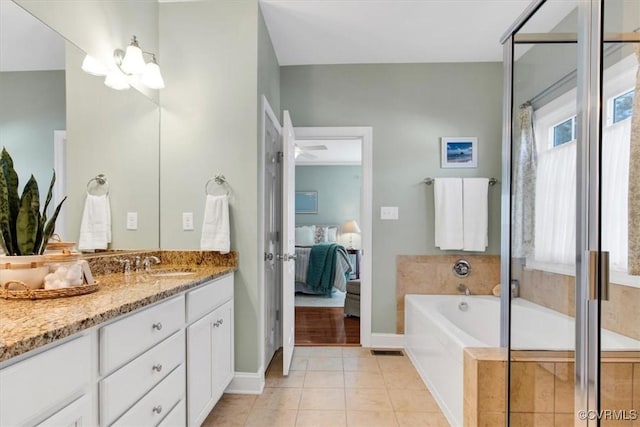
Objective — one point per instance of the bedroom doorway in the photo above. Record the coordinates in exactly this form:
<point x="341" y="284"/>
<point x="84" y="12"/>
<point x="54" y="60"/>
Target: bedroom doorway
<point x="334" y="164"/>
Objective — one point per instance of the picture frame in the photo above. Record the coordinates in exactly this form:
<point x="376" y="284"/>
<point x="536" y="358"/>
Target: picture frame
<point x="306" y="202"/>
<point x="459" y="152"/>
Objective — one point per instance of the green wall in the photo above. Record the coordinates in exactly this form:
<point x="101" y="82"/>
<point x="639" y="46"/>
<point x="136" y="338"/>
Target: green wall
<point x="409" y="106"/>
<point x="338" y="190"/>
<point x="217" y="60"/>
<point x="32" y="106"/>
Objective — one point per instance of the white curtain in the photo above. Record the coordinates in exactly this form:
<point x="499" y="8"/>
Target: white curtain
<point x="524" y="187"/>
<point x="555" y="232"/>
<point x="615" y="188"/>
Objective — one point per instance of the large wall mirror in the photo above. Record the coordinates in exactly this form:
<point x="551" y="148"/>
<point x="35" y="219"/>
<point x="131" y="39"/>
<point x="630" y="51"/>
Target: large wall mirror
<point x="52" y="114"/>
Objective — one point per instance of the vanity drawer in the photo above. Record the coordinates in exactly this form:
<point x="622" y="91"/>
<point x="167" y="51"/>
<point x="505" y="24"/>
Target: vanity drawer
<point x="206" y="298"/>
<point x="153" y="407"/>
<point x="177" y="417"/>
<point x="128" y="384"/>
<point x="40" y="383"/>
<point x="123" y="340"/>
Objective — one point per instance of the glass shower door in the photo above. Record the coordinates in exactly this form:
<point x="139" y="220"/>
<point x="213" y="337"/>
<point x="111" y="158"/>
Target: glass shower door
<point x="616" y="299"/>
<point x="571" y="315"/>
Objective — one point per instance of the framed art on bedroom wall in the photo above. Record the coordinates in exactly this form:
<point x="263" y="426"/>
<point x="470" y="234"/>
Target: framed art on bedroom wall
<point x="306" y="202"/>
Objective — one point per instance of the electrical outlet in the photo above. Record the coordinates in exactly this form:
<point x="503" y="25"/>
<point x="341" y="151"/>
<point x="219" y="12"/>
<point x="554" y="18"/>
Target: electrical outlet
<point x="132" y="220"/>
<point x="389" y="212"/>
<point x="187" y="221"/>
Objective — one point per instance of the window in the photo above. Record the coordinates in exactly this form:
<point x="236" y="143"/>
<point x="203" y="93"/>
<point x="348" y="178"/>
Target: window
<point x="622" y="106"/>
<point x="564" y="132"/>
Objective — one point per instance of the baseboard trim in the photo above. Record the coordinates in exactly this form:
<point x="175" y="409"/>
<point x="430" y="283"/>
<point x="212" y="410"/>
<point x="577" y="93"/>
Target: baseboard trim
<point x="387" y="340"/>
<point x="246" y="383"/>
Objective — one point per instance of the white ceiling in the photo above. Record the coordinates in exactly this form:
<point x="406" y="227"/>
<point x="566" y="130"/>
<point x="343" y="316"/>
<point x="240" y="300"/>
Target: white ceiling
<point x="395" y="31"/>
<point x="26" y="43"/>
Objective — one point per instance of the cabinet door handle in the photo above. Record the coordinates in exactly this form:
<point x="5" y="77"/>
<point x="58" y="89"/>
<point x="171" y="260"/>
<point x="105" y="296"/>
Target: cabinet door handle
<point x="157" y="326"/>
<point x="157" y="367"/>
<point x="157" y="409"/>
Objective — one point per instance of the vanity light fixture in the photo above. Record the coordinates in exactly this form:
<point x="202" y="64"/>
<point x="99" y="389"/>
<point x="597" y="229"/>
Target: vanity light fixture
<point x="116" y="80"/>
<point x="94" y="67"/>
<point x="131" y="62"/>
<point x="151" y="76"/>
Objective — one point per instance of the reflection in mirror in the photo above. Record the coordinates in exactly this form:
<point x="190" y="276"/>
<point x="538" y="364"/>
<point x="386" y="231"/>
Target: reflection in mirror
<point x="109" y="132"/>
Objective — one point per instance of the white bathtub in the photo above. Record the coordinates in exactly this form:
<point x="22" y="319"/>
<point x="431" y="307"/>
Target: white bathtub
<point x="436" y="331"/>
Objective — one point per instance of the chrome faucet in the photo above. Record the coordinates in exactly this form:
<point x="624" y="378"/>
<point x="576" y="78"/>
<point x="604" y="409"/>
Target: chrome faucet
<point x="146" y="262"/>
<point x="126" y="265"/>
<point x="465" y="289"/>
<point x="137" y="264"/>
<point x="515" y="288"/>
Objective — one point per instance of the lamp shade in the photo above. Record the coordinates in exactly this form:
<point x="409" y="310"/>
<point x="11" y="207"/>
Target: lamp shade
<point x="351" y="227"/>
<point x="152" y="77"/>
<point x="94" y="67"/>
<point x="116" y="80"/>
<point x="133" y="62"/>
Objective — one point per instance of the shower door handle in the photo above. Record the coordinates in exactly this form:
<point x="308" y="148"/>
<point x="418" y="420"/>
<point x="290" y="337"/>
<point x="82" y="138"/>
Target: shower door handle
<point x="598" y="274"/>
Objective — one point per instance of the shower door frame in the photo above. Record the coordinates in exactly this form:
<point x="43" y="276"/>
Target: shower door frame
<point x="588" y="281"/>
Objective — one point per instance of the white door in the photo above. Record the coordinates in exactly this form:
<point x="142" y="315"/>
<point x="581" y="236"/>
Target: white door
<point x="288" y="242"/>
<point x="272" y="231"/>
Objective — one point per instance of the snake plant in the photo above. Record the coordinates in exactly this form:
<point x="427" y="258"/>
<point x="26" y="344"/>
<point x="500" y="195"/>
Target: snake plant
<point x="23" y="229"/>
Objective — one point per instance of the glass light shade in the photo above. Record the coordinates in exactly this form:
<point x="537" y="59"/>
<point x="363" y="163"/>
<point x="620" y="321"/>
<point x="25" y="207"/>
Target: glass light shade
<point x="94" y="67"/>
<point x="133" y="62"/>
<point x="116" y="80"/>
<point x="152" y="77"/>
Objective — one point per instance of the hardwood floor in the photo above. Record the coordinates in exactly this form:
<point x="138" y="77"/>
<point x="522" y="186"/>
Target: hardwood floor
<point x="326" y="326"/>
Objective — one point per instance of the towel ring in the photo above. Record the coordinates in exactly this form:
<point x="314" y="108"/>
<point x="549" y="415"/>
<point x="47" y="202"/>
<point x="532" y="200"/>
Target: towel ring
<point x="221" y="182"/>
<point x="100" y="181"/>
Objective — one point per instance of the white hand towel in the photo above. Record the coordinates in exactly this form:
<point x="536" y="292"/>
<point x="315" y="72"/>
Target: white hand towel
<point x="447" y="194"/>
<point x="95" y="229"/>
<point x="215" y="225"/>
<point x="475" y="213"/>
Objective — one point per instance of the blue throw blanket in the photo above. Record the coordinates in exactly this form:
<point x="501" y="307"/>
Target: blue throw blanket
<point x="322" y="266"/>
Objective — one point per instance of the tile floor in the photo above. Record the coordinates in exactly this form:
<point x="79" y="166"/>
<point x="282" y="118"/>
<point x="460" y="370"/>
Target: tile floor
<point x="334" y="386"/>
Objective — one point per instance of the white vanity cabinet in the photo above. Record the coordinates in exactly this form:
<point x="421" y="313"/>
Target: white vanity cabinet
<point x="55" y="383"/>
<point x="151" y="344"/>
<point x="166" y="365"/>
<point x="210" y="354"/>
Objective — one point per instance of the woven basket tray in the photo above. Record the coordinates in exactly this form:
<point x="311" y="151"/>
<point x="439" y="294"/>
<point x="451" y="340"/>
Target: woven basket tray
<point x="33" y="294"/>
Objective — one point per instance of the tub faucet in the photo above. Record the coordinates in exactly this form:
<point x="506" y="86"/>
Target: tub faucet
<point x="465" y="289"/>
<point x="515" y="288"/>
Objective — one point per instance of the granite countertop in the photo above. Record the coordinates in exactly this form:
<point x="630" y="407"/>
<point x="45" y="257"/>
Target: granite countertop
<point x="26" y="324"/>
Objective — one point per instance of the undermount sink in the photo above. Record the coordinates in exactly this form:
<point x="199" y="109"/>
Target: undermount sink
<point x="171" y="273"/>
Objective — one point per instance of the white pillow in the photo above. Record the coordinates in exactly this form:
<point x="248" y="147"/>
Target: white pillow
<point x="305" y="235"/>
<point x="332" y="234"/>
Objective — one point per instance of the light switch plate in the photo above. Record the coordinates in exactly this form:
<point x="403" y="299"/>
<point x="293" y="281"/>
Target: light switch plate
<point x="187" y="221"/>
<point x="389" y="212"/>
<point x="132" y="220"/>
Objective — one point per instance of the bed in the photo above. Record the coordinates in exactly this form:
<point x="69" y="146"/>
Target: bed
<point x="322" y="264"/>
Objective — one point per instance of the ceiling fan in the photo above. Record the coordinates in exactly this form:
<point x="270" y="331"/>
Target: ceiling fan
<point x="302" y="151"/>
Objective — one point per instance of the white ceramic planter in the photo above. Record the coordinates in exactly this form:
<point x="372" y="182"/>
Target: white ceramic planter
<point x="29" y="269"/>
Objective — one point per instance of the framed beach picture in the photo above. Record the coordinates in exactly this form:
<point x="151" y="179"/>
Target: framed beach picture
<point x="459" y="152"/>
<point x="306" y="202"/>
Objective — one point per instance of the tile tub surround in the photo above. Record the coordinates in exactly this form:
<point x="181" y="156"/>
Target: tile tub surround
<point x="26" y="325"/>
<point x="542" y="386"/>
<point x="557" y="292"/>
<point x="432" y="274"/>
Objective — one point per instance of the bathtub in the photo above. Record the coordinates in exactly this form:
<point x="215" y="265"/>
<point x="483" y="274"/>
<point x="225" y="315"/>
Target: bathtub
<point x="436" y="331"/>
